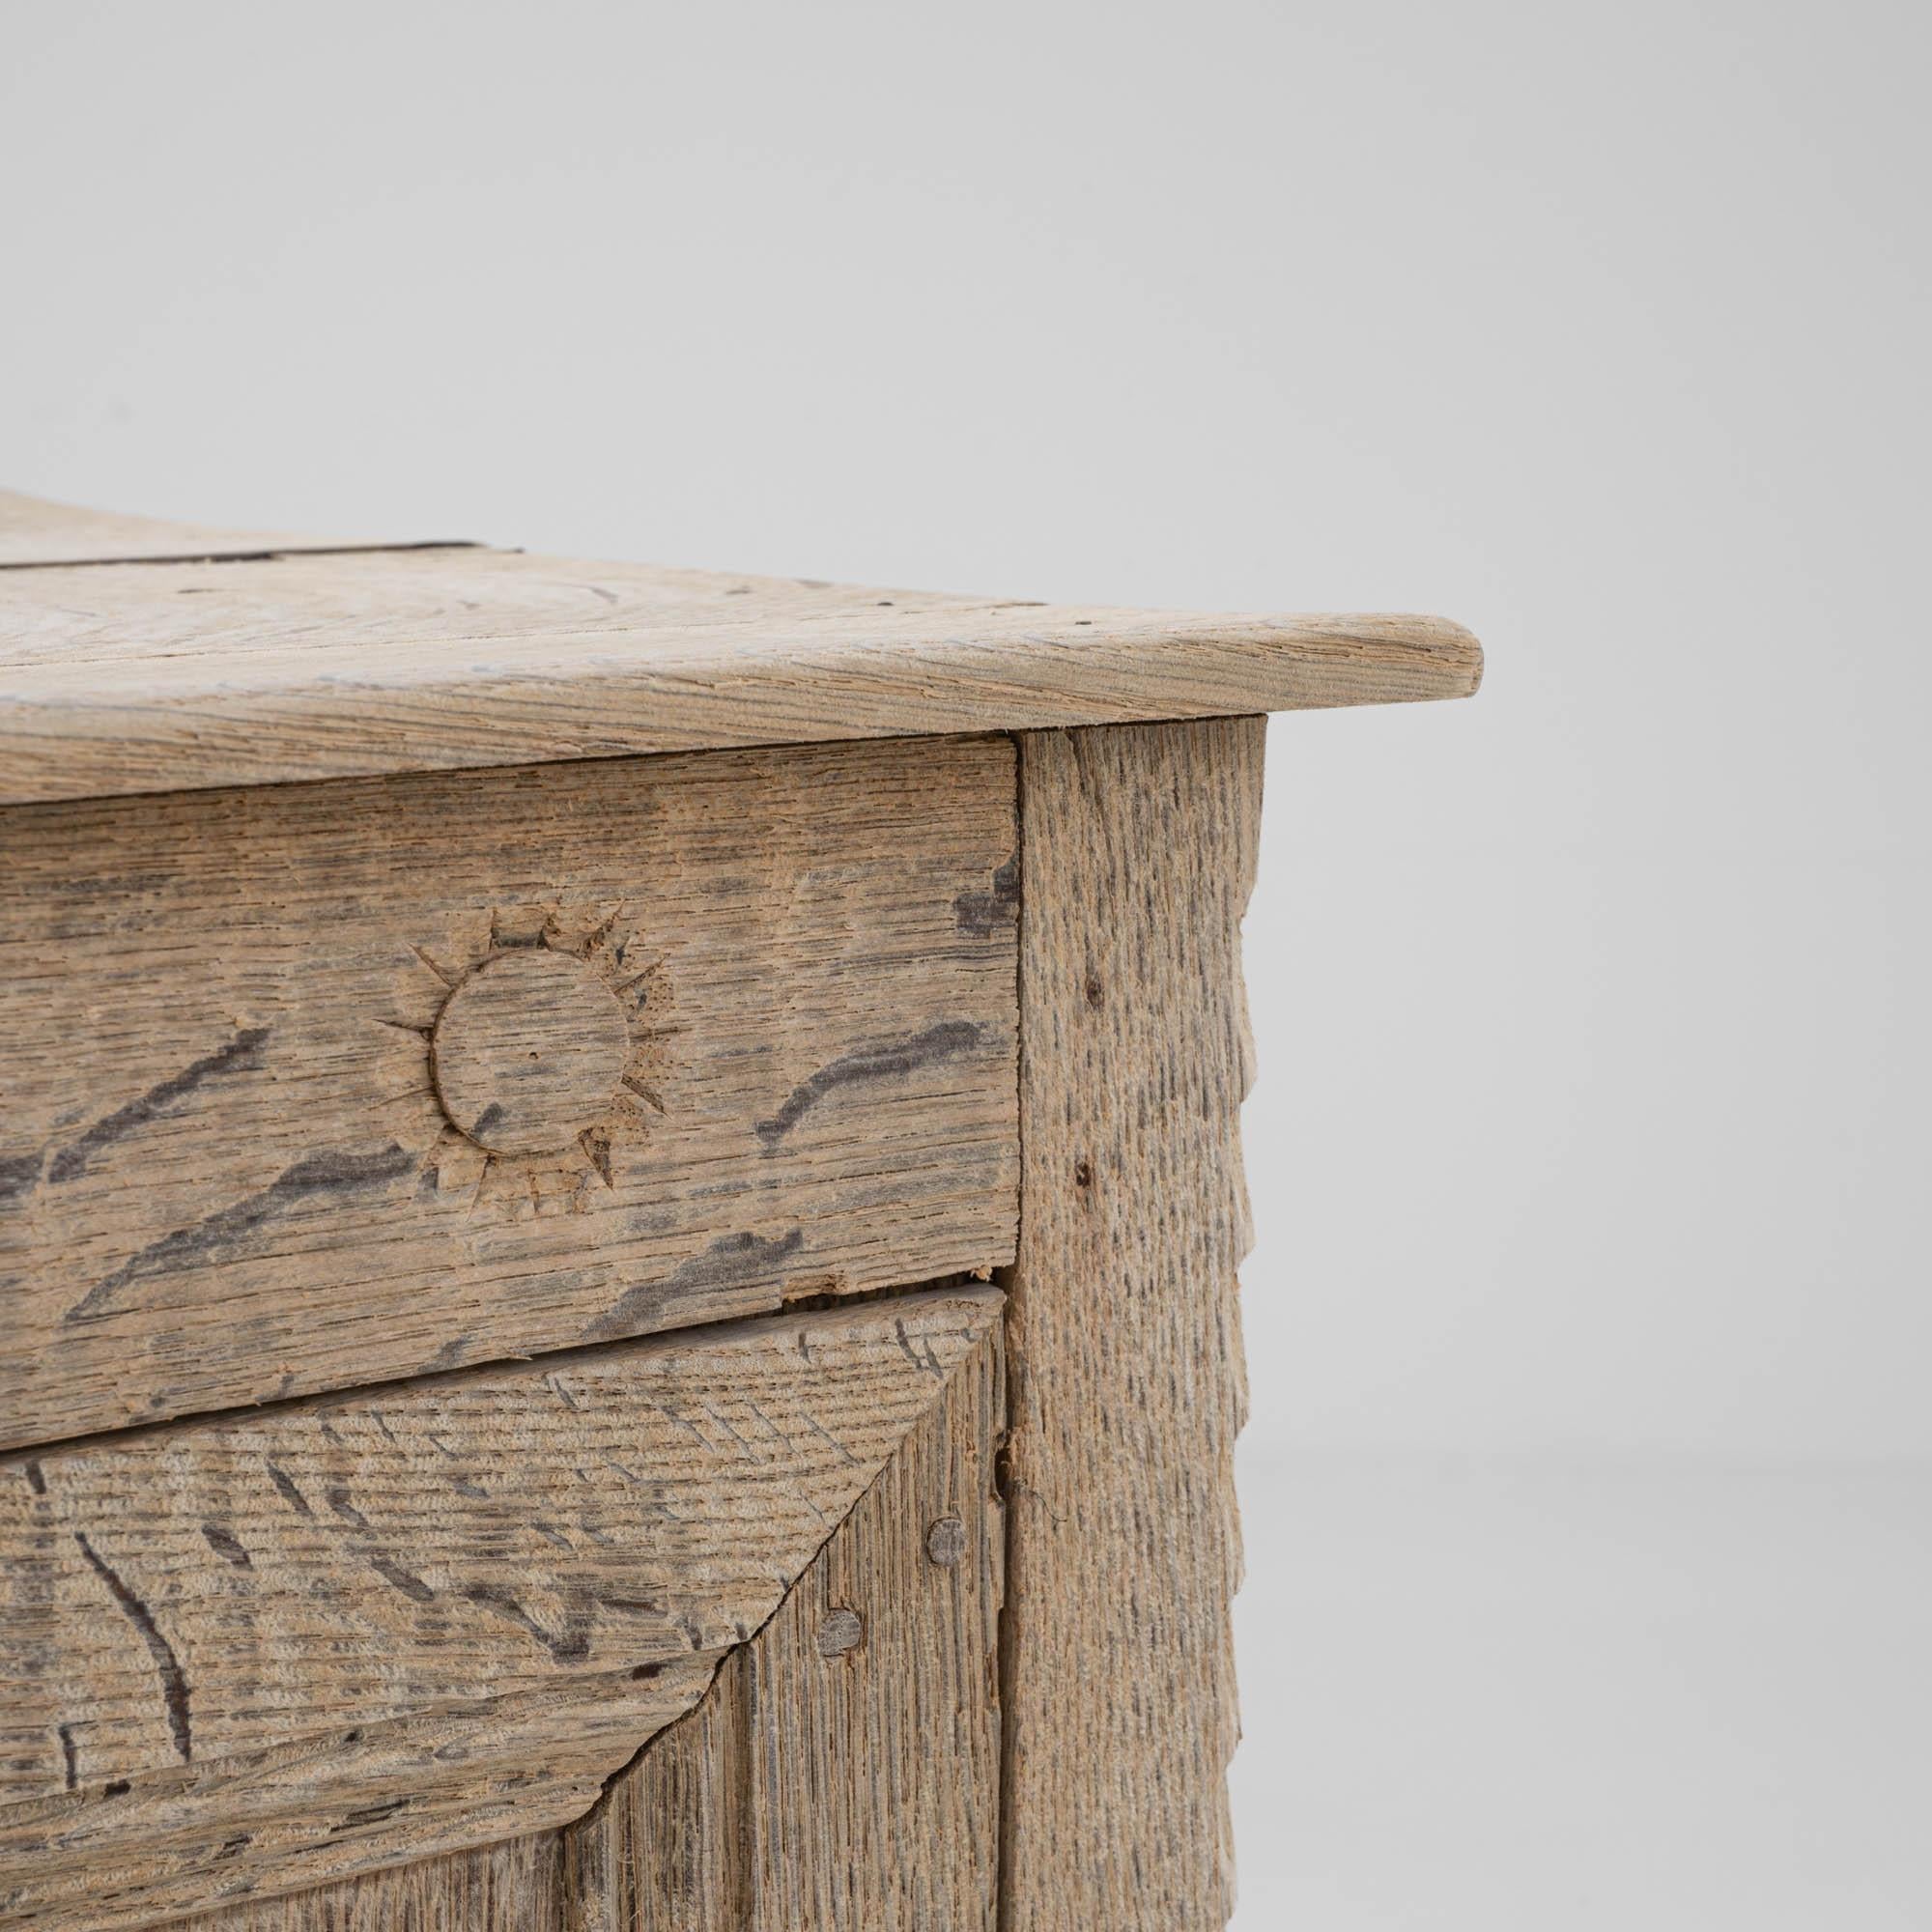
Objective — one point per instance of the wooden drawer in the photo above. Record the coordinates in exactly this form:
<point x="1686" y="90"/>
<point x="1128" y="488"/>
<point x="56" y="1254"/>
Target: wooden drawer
<point x="316" y="1085"/>
<point x="246" y="1656"/>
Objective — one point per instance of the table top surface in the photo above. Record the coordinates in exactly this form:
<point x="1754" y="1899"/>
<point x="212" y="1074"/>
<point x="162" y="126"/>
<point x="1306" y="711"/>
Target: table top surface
<point x="138" y="655"/>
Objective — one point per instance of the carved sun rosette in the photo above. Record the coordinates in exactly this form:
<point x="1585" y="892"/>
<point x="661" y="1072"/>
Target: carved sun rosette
<point x="544" y="1058"/>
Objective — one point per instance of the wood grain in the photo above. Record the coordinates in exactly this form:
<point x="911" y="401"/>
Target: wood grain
<point x="227" y="1174"/>
<point x="35" y="533"/>
<point x="843" y="1769"/>
<point x="149" y="677"/>
<point x="1139" y="854"/>
<point x="249" y="1655"/>
<point x="327" y="1807"/>
<point x="514" y="1887"/>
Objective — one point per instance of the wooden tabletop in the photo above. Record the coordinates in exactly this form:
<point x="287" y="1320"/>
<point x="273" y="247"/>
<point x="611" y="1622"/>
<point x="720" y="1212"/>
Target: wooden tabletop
<point x="138" y="655"/>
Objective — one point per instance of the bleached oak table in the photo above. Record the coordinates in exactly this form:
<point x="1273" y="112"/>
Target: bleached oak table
<point x="618" y="1211"/>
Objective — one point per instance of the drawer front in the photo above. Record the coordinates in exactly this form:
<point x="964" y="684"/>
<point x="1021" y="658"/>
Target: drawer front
<point x="244" y="1656"/>
<point x="315" y="1085"/>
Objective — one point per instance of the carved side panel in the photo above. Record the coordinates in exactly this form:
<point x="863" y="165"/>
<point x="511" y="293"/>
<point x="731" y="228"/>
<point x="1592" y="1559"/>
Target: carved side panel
<point x="1139" y="846"/>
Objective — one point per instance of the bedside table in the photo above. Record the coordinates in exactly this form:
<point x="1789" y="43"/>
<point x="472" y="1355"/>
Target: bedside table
<point x="619" y="1198"/>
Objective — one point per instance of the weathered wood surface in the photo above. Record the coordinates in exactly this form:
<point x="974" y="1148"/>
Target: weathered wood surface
<point x="258" y="1823"/>
<point x="149" y="677"/>
<point x="516" y="1886"/>
<point x="842" y="1771"/>
<point x="251" y="1655"/>
<point x="35" y="533"/>
<point x="726" y="1031"/>
<point x="1127" y="1387"/>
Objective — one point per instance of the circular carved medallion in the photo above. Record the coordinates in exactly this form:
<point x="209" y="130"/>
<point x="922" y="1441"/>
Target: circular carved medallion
<point x="529" y="1051"/>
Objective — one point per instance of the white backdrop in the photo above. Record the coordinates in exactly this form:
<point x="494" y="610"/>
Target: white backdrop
<point x="1592" y="1129"/>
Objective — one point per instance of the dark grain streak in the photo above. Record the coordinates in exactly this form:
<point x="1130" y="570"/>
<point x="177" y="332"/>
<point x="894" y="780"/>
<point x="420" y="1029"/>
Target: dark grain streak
<point x="893" y="1060"/>
<point x="286" y="1483"/>
<point x="174" y="1683"/>
<point x="733" y="1261"/>
<point x="572" y="1646"/>
<point x="220" y="1235"/>
<point x="597" y="1152"/>
<point x="923" y="1357"/>
<point x="843" y="1453"/>
<point x="226" y="1546"/>
<point x="366" y="1814"/>
<point x="337" y="1497"/>
<point x="394" y="1572"/>
<point x="981" y="915"/>
<point x="19" y="1173"/>
<point x="241" y="1055"/>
